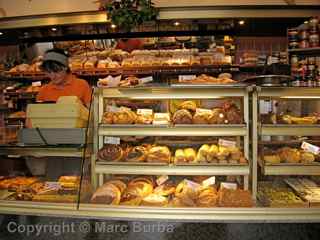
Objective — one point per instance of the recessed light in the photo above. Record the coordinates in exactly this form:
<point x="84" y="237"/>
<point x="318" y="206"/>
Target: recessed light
<point x="306" y="22"/>
<point x="176" y="23"/>
<point x="1" y="33"/>
<point x="113" y="26"/>
<point x="241" y="22"/>
<point x="53" y="29"/>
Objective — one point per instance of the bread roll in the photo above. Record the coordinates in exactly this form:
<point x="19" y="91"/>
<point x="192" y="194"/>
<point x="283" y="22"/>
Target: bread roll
<point x="182" y="117"/>
<point x="271" y="159"/>
<point x="107" y="194"/>
<point x="203" y="153"/>
<point x="213" y="153"/>
<point x="180" y="156"/>
<point x="188" y="105"/>
<point x="190" y="154"/>
<point x="159" y="154"/>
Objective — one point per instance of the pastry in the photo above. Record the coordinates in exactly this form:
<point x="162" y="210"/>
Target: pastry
<point x="218" y="116"/>
<point x="159" y="154"/>
<point x="165" y="189"/>
<point x="289" y="155"/>
<point x="137" y="154"/>
<point x="235" y="154"/>
<point x="271" y="159"/>
<point x="119" y="184"/>
<point x="110" y="153"/>
<point x="155" y="200"/>
<point x="144" y="119"/>
<point x="232" y="113"/>
<point x="107" y="118"/>
<point x="69" y="181"/>
<point x="107" y="194"/>
<point x="190" y="154"/>
<point x="202" y="118"/>
<point x="17" y="182"/>
<point x="235" y="198"/>
<point x="188" y="105"/>
<point x="213" y="153"/>
<point x="146" y="179"/>
<point x="307" y="157"/>
<point x="223" y="153"/>
<point x="208" y="197"/>
<point x="140" y="189"/>
<point x="180" y="156"/>
<point x="182" y="117"/>
<point x="124" y="116"/>
<point x="203" y="153"/>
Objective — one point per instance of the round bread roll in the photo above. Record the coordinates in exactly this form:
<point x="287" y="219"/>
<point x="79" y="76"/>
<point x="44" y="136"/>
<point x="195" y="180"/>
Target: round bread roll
<point x="307" y="157"/>
<point x="182" y="117"/>
<point x="289" y="155"/>
<point x="110" y="153"/>
<point x="124" y="116"/>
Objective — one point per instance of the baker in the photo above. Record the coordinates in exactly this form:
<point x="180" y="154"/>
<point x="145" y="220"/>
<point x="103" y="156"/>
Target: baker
<point x="62" y="82"/>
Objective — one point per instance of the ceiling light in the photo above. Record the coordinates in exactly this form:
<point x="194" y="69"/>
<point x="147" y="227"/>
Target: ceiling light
<point x="306" y="22"/>
<point x="1" y="33"/>
<point x="53" y="29"/>
<point x="113" y="26"/>
<point x="176" y="23"/>
<point x="241" y="22"/>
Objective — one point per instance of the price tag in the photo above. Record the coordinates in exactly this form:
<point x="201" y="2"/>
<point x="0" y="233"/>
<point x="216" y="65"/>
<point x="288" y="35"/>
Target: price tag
<point x="54" y="185"/>
<point x="209" y="181"/>
<point x="146" y="80"/>
<point x="192" y="185"/>
<point x="187" y="77"/>
<point x="310" y="148"/>
<point x="112" y="140"/>
<point x="162" y="179"/>
<point x="36" y="84"/>
<point x="145" y="112"/>
<point x="226" y="143"/>
<point x="226" y="185"/>
<point x="203" y="110"/>
<point x="14" y="156"/>
<point x="111" y="108"/>
<point x="161" y="119"/>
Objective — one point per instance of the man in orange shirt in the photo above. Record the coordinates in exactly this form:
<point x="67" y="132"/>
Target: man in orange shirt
<point x="62" y="82"/>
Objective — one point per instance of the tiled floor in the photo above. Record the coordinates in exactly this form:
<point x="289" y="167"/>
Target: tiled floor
<point x="34" y="228"/>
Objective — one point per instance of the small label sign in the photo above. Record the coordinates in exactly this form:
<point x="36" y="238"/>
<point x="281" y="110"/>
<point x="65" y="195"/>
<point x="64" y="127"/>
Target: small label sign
<point x="162" y="179"/>
<point x="210" y="181"/>
<point x="112" y="140"/>
<point x="310" y="148"/>
<point x="36" y="84"/>
<point x="226" y="143"/>
<point x="53" y="185"/>
<point x="226" y="185"/>
<point x="146" y="80"/>
<point x="145" y="112"/>
<point x="187" y="77"/>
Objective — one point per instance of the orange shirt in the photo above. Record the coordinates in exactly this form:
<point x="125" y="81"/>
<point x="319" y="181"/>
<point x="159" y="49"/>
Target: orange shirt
<point x="73" y="87"/>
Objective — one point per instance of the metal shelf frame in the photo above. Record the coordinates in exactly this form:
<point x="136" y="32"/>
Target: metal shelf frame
<point x="167" y="93"/>
<point x="42" y="151"/>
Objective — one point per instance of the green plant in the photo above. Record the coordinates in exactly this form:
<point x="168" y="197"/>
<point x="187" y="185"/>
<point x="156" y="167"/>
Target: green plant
<point x="127" y="14"/>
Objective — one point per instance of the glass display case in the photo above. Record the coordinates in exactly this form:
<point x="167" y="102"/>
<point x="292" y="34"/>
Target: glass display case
<point x="286" y="146"/>
<point x="169" y="148"/>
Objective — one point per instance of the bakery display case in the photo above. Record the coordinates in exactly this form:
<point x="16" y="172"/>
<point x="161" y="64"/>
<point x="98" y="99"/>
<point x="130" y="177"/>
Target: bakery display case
<point x="285" y="145"/>
<point x="165" y="148"/>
